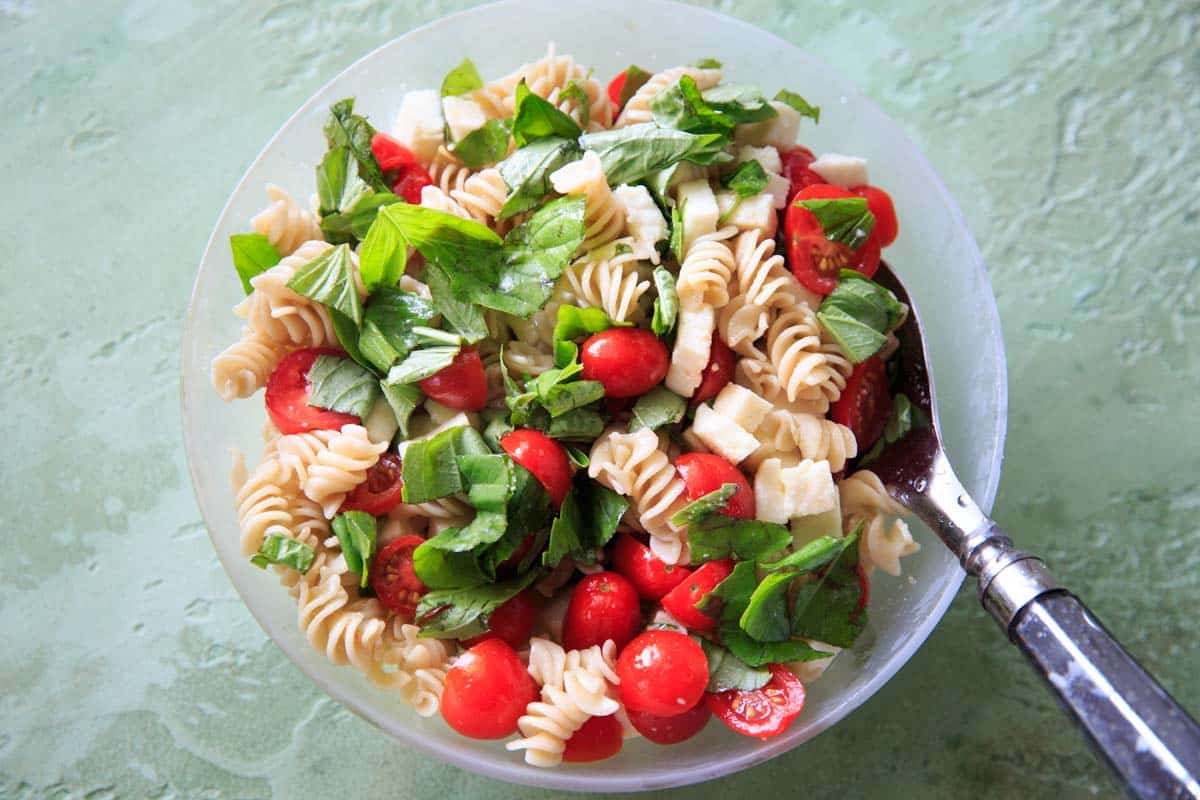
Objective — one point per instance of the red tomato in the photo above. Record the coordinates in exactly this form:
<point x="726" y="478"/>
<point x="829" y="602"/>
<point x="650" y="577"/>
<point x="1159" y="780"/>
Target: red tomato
<point x="670" y="730"/>
<point x="512" y="622"/>
<point x="795" y="169"/>
<point x="718" y="372"/>
<point x="486" y="691"/>
<point x="887" y="228"/>
<point x="287" y="395"/>
<point x="410" y="183"/>
<point x="461" y="385"/>
<point x="603" y="606"/>
<point x="663" y="672"/>
<point x="681" y="601"/>
<point x="544" y="457"/>
<point x="381" y="490"/>
<point x="864" y="587"/>
<point x="598" y="739"/>
<point x="865" y="404"/>
<point x="649" y="574"/>
<point x="392" y="576"/>
<point x="390" y="154"/>
<point x="704" y="472"/>
<point x="764" y="712"/>
<point x="814" y="260"/>
<point x="615" y="87"/>
<point x="628" y="361"/>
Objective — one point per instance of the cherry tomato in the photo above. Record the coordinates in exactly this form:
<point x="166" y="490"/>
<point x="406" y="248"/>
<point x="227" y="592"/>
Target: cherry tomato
<point x="670" y="730"/>
<point x="865" y="404"/>
<point x="598" y="739"/>
<point x="462" y="385"/>
<point x="486" y="691"/>
<point x="814" y="260"/>
<point x="718" y="372"/>
<point x="512" y="622"/>
<point x="399" y="165"/>
<point x="864" y="587"/>
<point x="381" y="491"/>
<point x="615" y="87"/>
<point x="796" y="170"/>
<point x="393" y="578"/>
<point x="649" y="574"/>
<point x="628" y="361"/>
<point x="410" y="183"/>
<point x="287" y="395"/>
<point x="663" y="672"/>
<point x="887" y="228"/>
<point x="544" y="457"/>
<point x="603" y="606"/>
<point x="705" y="472"/>
<point x="681" y="601"/>
<point x="764" y="712"/>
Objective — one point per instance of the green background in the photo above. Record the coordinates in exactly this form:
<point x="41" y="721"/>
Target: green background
<point x="1066" y="130"/>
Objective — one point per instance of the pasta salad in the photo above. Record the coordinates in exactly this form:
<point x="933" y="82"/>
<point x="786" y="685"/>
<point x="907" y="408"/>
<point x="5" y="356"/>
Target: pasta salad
<point x="572" y="393"/>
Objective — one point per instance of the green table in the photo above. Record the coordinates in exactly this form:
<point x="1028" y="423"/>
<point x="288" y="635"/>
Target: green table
<point x="131" y="669"/>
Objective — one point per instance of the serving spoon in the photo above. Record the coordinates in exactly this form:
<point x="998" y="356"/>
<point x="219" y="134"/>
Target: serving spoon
<point x="1144" y="735"/>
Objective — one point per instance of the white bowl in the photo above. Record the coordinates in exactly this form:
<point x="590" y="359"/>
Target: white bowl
<point x="935" y="253"/>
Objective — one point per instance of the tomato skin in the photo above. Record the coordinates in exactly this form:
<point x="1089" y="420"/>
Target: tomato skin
<point x="410" y="183"/>
<point x="628" y="361"/>
<point x="706" y="472"/>
<point x="599" y="738"/>
<point x="813" y="259"/>
<point x="462" y="385"/>
<point x="512" y="622"/>
<point x="399" y="165"/>
<point x="761" y="713"/>
<point x="717" y="374"/>
<point x="288" y="390"/>
<point x="381" y="491"/>
<point x="615" y="87"/>
<point x="670" y="730"/>
<point x="864" y="587"/>
<point x="544" y="457"/>
<point x="487" y="691"/>
<point x="887" y="227"/>
<point x="650" y="575"/>
<point x="393" y="578"/>
<point x="681" y="601"/>
<point x="865" y="403"/>
<point x="796" y="170"/>
<point x="662" y="672"/>
<point x="603" y="606"/>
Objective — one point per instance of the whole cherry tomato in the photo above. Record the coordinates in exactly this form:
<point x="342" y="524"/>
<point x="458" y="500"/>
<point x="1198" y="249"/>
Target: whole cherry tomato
<point x="487" y="691"/>
<point x="393" y="578"/>
<point x="628" y="361"/>
<point x="670" y="730"/>
<point x="681" y="601"/>
<point x="705" y="472"/>
<point x="599" y="738"/>
<point x="603" y="606"/>
<point x="649" y="574"/>
<point x="462" y="385"/>
<point x="288" y="390"/>
<point x="662" y="672"/>
<point x="544" y="457"/>
<point x="761" y="713"/>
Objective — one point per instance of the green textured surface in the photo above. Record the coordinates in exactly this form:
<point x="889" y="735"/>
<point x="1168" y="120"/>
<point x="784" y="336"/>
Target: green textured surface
<point x="1066" y="130"/>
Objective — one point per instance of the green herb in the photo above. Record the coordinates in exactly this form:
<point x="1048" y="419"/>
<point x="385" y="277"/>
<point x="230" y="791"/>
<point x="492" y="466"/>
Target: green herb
<point x="485" y="528"/>
<point x="797" y="102"/>
<point x="421" y="364"/>
<point x="708" y="63"/>
<point x="338" y="185"/>
<point x="489" y="480"/>
<point x="810" y="557"/>
<point x="739" y="103"/>
<point x="766" y="618"/>
<point x="747" y="540"/>
<point x="462" y="613"/>
<point x="390" y="323"/>
<point x="253" y="254"/>
<point x="443" y="238"/>
<point x="843" y="219"/>
<point x="830" y="610"/>
<point x="383" y="255"/>
<point x="535" y="118"/>
<point x="703" y="506"/>
<point x="760" y="654"/>
<point x="327" y="280"/>
<point x="354" y="223"/>
<point x="579" y="458"/>
<point x="485" y="145"/>
<point x="729" y="598"/>
<point x="462" y="79"/>
<point x="905" y="417"/>
<point x="635" y="152"/>
<point x="747" y="180"/>
<point x="339" y="384"/>
<point x="403" y="399"/>
<point x="858" y="314"/>
<point x="666" y="305"/>
<point x="656" y="409"/>
<point x="566" y="532"/>
<point x="635" y="78"/>
<point x="346" y="129"/>
<point x="571" y="396"/>
<point x="446" y="569"/>
<point x="587" y="521"/>
<point x="431" y="465"/>
<point x="573" y="322"/>
<point x="356" y="533"/>
<point x="464" y="317"/>
<point x="578" y="424"/>
<point x="726" y="671"/>
<point x="573" y="91"/>
<point x="683" y="108"/>
<point x="527" y="172"/>
<point x="279" y="549"/>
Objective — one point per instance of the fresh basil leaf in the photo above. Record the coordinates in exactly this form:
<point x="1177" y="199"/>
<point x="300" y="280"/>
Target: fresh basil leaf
<point x="279" y="549"/>
<point x="431" y="465"/>
<point x="587" y="521"/>
<point x="656" y="409"/>
<point x="739" y="102"/>
<point x="488" y="479"/>
<point x="729" y="598"/>
<point x="346" y="129"/>
<point x="339" y="187"/>
<point x="354" y="223"/>
<point x="383" y="255"/>
<point x="747" y="180"/>
<point x="356" y="534"/>
<point x="726" y="671"/>
<point x="485" y="145"/>
<point x="571" y="396"/>
<point x="389" y="325"/>
<point x="810" y="557"/>
<point x="566" y="532"/>
<point x="905" y="417"/>
<point x="573" y="322"/>
<point x="857" y="340"/>
<point x="830" y="610"/>
<point x="797" y="102"/>
<point x="760" y="654"/>
<point x="683" y="108"/>
<point x="703" y="506"/>
<point x="535" y="118"/>
<point x="446" y="569"/>
<point x="747" y="540"/>
<point x="527" y="172"/>
<point x="857" y="315"/>
<point x="339" y="384"/>
<point x="529" y="508"/>
<point x="462" y="613"/>
<point x="496" y="428"/>
<point x="635" y="78"/>
<point x="327" y="280"/>
<point x="486" y="527"/>
<point x="535" y="255"/>
<point x="842" y="219"/>
<point x="766" y="617"/>
<point x="579" y="458"/>
<point x="635" y="152"/>
<point x="451" y="242"/>
<point x="403" y="399"/>
<point x="666" y="305"/>
<point x="347" y="335"/>
<point x="579" y="424"/>
<point x="573" y="91"/>
<point x="708" y="63"/>
<point x="253" y="254"/>
<point x="462" y="79"/>
<point x="464" y="317"/>
<point x="421" y="364"/>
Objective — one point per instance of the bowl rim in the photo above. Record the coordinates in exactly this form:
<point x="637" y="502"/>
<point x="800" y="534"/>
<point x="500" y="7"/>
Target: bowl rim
<point x="617" y="782"/>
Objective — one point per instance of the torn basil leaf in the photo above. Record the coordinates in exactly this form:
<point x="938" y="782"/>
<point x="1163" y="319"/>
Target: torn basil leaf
<point x="739" y="102"/>
<point x="463" y="613"/>
<point x="356" y="534"/>
<point x="728" y="672"/>
<point x="279" y="549"/>
<point x="656" y="409"/>
<point x="527" y="172"/>
<point x="810" y="557"/>
<point x="683" y="108"/>
<point x="635" y="152"/>
<point x="346" y="129"/>
<point x="666" y="304"/>
<point x="464" y="317"/>
<point x="743" y="539"/>
<point x="760" y="654"/>
<point x="702" y="507"/>
<point x="431" y="465"/>
<point x="327" y="280"/>
<point x="253" y="254"/>
<point x="831" y="609"/>
<point x="354" y="223"/>
<point x="842" y="219"/>
<point x="340" y="384"/>
<point x="535" y="118"/>
<point x="573" y="322"/>
<point x="485" y="145"/>
<point x="858" y="314"/>
<point x="797" y="102"/>
<point x="462" y="79"/>
<point x="729" y="598"/>
<point x="383" y="255"/>
<point x="421" y="364"/>
<point x="635" y="78"/>
<point x="403" y="399"/>
<point x="766" y="616"/>
<point x="390" y="323"/>
<point x="747" y="180"/>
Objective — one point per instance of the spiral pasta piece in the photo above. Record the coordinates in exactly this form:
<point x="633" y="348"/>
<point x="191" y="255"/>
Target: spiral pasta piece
<point x="807" y="435"/>
<point x="299" y="451"/>
<point x="242" y="369"/>
<point x="808" y="367"/>
<point x="615" y="282"/>
<point x="447" y="172"/>
<point x="706" y="271"/>
<point x="548" y="78"/>
<point x="280" y="314"/>
<point x="284" y="222"/>
<point x="882" y="544"/>
<point x="527" y="359"/>
<point x="436" y="199"/>
<point x="637" y="110"/>
<point x="604" y="218"/>
<point x="264" y="501"/>
<point x="340" y="466"/>
<point x="482" y="196"/>
<point x="759" y="376"/>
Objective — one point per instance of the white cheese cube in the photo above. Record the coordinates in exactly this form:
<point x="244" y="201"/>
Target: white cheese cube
<point x="809" y="671"/>
<point x="721" y="435"/>
<point x="843" y="171"/>
<point x="419" y="123"/>
<point x="463" y="116"/>
<point x="767" y="157"/>
<point x="699" y="208"/>
<point x="779" y="132"/>
<point x="693" y="341"/>
<point x="810" y="489"/>
<point x="770" y="495"/>
<point x="643" y="221"/>
<point x="742" y="406"/>
<point x="777" y="187"/>
<point x="751" y="213"/>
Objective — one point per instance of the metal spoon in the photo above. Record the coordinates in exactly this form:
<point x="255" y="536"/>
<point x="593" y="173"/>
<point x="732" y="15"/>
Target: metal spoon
<point x="1144" y="735"/>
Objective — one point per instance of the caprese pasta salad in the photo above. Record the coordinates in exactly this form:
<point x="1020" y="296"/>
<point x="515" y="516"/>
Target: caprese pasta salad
<point x="572" y="392"/>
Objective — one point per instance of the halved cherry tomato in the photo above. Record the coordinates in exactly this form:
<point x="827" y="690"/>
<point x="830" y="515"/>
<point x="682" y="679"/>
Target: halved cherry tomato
<point x="865" y="404"/>
<point x="410" y="183"/>
<point x="615" y="87"/>
<point x="288" y="390"/>
<point x="796" y="170"/>
<point x="393" y="578"/>
<point x="544" y="457"/>
<point x="718" y="372"/>
<point x="705" y="472"/>
<point x="381" y="490"/>
<point x="681" y="601"/>
<point x="603" y="606"/>
<point x="400" y="167"/>
<point x="764" y="712"/>
<point x="512" y="622"/>
<point x="649" y="574"/>
<point x="462" y="385"/>
<point x="887" y="228"/>
<point x="663" y="672"/>
<point x="814" y="260"/>
<point x="599" y="738"/>
<point x="670" y="730"/>
<point x="486" y="691"/>
<point x="628" y="361"/>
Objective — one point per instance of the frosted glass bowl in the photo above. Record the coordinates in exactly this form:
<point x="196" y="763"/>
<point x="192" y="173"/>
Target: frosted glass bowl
<point x="935" y="253"/>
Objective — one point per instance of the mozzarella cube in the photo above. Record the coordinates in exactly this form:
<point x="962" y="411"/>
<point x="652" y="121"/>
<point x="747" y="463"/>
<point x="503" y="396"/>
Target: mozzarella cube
<point x="779" y="131"/>
<point x="463" y="116"/>
<point x="742" y="406"/>
<point x="770" y="495"/>
<point x="767" y="157"/>
<point x="843" y="171"/>
<point x="777" y="187"/>
<point x="693" y="341"/>
<point x="749" y="213"/>
<point x="643" y="221"/>
<point x="419" y="123"/>
<point x="810" y="489"/>
<point x="699" y="208"/>
<point x="723" y="436"/>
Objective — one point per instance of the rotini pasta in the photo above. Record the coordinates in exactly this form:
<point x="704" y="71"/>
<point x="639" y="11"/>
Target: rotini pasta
<point x="613" y="281"/>
<point x="706" y="272"/>
<point x="807" y="435"/>
<point x="604" y="218"/>
<point x="865" y="500"/>
<point x="284" y="222"/>
<point x="807" y="366"/>
<point x="340" y="466"/>
<point x="637" y="110"/>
